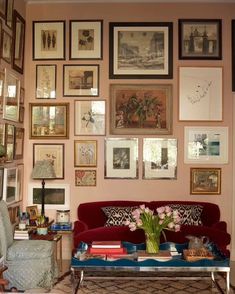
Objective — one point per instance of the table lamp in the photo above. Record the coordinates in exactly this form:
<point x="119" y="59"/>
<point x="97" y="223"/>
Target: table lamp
<point x="43" y="169"/>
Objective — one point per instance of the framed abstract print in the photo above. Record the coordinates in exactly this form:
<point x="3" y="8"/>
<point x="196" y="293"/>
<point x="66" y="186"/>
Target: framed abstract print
<point x="141" y="50"/>
<point x="159" y="158"/>
<point x="86" y="39"/>
<point x="19" y="143"/>
<point x="89" y="117"/>
<point x="46" y="81"/>
<point x="121" y="158"/>
<point x="6" y="50"/>
<point x="10" y="185"/>
<point x="85" y="153"/>
<point x="85" y="178"/>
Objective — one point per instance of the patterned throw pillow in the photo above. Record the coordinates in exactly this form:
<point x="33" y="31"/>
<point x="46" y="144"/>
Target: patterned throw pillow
<point x="117" y="215"/>
<point x="189" y="214"/>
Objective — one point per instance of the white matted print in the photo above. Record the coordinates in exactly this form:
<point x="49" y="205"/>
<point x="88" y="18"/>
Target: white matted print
<point x="200" y="94"/>
<point x="206" y="145"/>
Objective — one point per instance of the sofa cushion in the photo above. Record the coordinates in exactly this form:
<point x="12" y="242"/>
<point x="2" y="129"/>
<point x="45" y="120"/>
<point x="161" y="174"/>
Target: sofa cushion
<point x="189" y="214"/>
<point x="117" y="215"/>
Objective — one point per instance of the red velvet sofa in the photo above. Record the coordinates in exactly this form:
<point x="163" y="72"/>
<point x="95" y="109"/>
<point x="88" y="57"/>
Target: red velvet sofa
<point x="90" y="225"/>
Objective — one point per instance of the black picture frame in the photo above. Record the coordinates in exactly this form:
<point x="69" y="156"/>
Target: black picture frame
<point x="123" y="63"/>
<point x="233" y="55"/>
<point x="200" y="39"/>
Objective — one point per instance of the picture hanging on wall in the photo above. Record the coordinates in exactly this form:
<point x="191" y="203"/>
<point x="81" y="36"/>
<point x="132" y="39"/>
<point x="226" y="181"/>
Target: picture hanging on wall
<point x="85" y="153"/>
<point x="10" y="141"/>
<point x="9" y="12"/>
<point x="6" y="50"/>
<point x="10" y="185"/>
<point x="84" y="177"/>
<point x="20" y="181"/>
<point x="46" y="81"/>
<point x="3" y="9"/>
<point x="19" y="143"/>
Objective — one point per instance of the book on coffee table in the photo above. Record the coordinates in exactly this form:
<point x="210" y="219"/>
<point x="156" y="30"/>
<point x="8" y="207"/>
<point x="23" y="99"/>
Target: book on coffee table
<point x="107" y="250"/>
<point x="106" y="244"/>
<point x="162" y="255"/>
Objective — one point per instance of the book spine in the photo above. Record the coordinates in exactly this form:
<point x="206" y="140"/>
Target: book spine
<point x="107" y="250"/>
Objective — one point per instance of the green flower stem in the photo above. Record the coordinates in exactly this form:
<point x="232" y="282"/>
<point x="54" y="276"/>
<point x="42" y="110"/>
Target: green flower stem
<point x="152" y="243"/>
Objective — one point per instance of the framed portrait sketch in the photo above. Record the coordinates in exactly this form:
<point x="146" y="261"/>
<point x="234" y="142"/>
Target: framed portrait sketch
<point x="121" y="158"/>
<point x="206" y="145"/>
<point x="85" y="153"/>
<point x="10" y="142"/>
<point x="10" y="185"/>
<point x="159" y="158"/>
<point x="85" y="178"/>
<point x="19" y="143"/>
<point x="46" y="81"/>
<point x="200" y="94"/>
<point x="18" y="42"/>
<point x="81" y="80"/>
<point x="141" y="109"/>
<point x="3" y="9"/>
<point x="9" y="12"/>
<point x="205" y="181"/>
<point x="233" y="55"/>
<point x="89" y="117"/>
<point x="20" y="181"/>
<point x="52" y="152"/>
<point x="48" y="40"/>
<point x="6" y="50"/>
<point x="86" y="38"/>
<point x="200" y="39"/>
<point x="49" y="120"/>
<point x="141" y="50"/>
<point x="1" y="182"/>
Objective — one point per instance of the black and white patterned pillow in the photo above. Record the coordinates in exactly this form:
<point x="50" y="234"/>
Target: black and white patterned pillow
<point x="189" y="214"/>
<point x="117" y="215"/>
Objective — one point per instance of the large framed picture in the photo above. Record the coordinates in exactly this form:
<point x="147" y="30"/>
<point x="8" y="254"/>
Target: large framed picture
<point x="86" y="39"/>
<point x="19" y="143"/>
<point x="10" y="185"/>
<point x="159" y="158"/>
<point x="10" y="142"/>
<point x="49" y="120"/>
<point x="46" y="81"/>
<point x="205" y="181"/>
<point x="121" y="158"/>
<point x="89" y="117"/>
<point x="48" y="40"/>
<point x="141" y="109"/>
<point x="85" y="177"/>
<point x="52" y="152"/>
<point x="200" y="94"/>
<point x="200" y="39"/>
<point x="206" y="145"/>
<point x="141" y="50"/>
<point x="85" y="153"/>
<point x="6" y="46"/>
<point x="81" y="80"/>
<point x="233" y="55"/>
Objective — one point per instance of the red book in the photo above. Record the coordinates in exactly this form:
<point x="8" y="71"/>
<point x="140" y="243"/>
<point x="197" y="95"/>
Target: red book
<point x="106" y="244"/>
<point x="107" y="250"/>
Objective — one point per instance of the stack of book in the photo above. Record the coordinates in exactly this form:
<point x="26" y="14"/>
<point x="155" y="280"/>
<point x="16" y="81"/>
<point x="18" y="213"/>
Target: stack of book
<point x="108" y="248"/>
<point x="61" y="227"/>
<point x="21" y="234"/>
<point x="162" y="255"/>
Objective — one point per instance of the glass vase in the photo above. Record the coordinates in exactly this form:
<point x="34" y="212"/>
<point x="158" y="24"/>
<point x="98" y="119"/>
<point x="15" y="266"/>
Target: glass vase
<point x="152" y="242"/>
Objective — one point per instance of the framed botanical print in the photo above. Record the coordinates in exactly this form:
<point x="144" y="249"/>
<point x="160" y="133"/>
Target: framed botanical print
<point x="1" y="182"/>
<point x="159" y="158"/>
<point x="89" y="117"/>
<point x="48" y="40"/>
<point x="10" y="185"/>
<point x="3" y="9"/>
<point x="10" y="141"/>
<point x="205" y="181"/>
<point x="19" y="143"/>
<point x="86" y="39"/>
<point x="141" y="50"/>
<point x="9" y="12"/>
<point x="85" y="153"/>
<point x="200" y="39"/>
<point x="141" y="109"/>
<point x="46" y="81"/>
<point x="52" y="152"/>
<point x="81" y="80"/>
<point x="121" y="158"/>
<point x="6" y="50"/>
<point x="48" y="120"/>
<point x="85" y="178"/>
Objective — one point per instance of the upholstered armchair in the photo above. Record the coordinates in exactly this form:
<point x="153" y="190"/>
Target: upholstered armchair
<point x="31" y="263"/>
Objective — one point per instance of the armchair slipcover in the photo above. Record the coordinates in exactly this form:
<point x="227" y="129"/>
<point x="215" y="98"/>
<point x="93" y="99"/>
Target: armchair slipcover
<point x="31" y="263"/>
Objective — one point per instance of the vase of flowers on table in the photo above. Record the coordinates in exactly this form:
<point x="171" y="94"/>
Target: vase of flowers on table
<point x="154" y="224"/>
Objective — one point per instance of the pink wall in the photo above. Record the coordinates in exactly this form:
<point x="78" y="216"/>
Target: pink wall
<point x="132" y="189"/>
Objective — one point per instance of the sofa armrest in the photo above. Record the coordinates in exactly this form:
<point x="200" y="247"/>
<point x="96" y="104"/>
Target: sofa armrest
<point x="79" y="226"/>
<point x="220" y="226"/>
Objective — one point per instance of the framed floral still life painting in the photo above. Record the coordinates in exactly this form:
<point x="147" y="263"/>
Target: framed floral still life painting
<point x="46" y="81"/>
<point x="141" y="109"/>
<point x="85" y="178"/>
<point x="85" y="153"/>
<point x="89" y="117"/>
<point x="205" y="181"/>
<point x="159" y="158"/>
<point x="121" y="158"/>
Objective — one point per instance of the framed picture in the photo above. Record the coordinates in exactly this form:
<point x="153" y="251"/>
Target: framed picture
<point x="159" y="158"/>
<point x="49" y="120"/>
<point x="3" y="9"/>
<point x="22" y="95"/>
<point x="9" y="12"/>
<point x="141" y="109"/>
<point x="32" y="211"/>
<point x="10" y="141"/>
<point x="46" y="81"/>
<point x="233" y="55"/>
<point x="89" y="117"/>
<point x="2" y="133"/>
<point x="86" y="38"/>
<point x="20" y="181"/>
<point x="81" y="80"/>
<point x="85" y="177"/>
<point x="11" y="96"/>
<point x="57" y="196"/>
<point x="6" y="50"/>
<point x="19" y="143"/>
<point x="52" y="152"/>
<point x="200" y="39"/>
<point x="121" y="158"/>
<point x="141" y="50"/>
<point x="21" y="114"/>
<point x="18" y="42"/>
<point x="205" y="181"/>
<point x="85" y="153"/>
<point x="2" y="81"/>
<point x="206" y="145"/>
<point x="48" y="40"/>
<point x="1" y="182"/>
<point x="200" y="94"/>
<point x="10" y="185"/>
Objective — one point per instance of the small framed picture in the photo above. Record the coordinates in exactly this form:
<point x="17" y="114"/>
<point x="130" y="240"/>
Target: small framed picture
<point x="10" y="185"/>
<point x="85" y="153"/>
<point x="19" y="143"/>
<point x="46" y="81"/>
<point x="6" y="51"/>
<point x="85" y="177"/>
<point x="32" y="211"/>
<point x="89" y="117"/>
<point x="121" y="158"/>
<point x="10" y="141"/>
<point x="9" y="12"/>
<point x="48" y="40"/>
<point x="3" y="8"/>
<point x="86" y="39"/>
<point x="81" y="80"/>
<point x="205" y="181"/>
